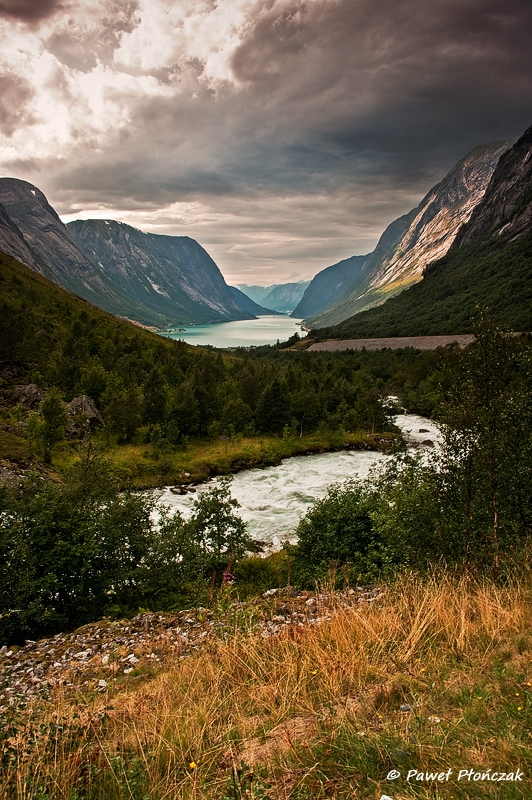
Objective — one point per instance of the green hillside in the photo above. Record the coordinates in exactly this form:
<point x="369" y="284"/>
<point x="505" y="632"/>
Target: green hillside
<point x="446" y="300"/>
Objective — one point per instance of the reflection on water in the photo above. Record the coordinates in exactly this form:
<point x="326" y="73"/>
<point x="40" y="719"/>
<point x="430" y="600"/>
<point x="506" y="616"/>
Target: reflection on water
<point x="243" y="333"/>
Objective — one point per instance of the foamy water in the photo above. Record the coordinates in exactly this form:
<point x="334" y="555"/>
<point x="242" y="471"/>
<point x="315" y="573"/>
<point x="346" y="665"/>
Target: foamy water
<point x="274" y="499"/>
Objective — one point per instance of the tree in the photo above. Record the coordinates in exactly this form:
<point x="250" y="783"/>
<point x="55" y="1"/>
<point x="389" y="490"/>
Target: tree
<point x="217" y="529"/>
<point x="487" y="445"/>
<point x="49" y="425"/>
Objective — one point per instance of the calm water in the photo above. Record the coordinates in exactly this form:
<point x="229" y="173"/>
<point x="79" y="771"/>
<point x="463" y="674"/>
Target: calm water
<point x="274" y="499"/>
<point x="243" y="333"/>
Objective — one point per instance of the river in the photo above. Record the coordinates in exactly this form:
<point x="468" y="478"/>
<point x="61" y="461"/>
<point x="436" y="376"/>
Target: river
<point x="242" y="333"/>
<point x="274" y="499"/>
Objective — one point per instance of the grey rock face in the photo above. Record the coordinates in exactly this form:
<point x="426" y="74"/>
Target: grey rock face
<point x="12" y="242"/>
<point x="83" y="407"/>
<point x="154" y="280"/>
<point x="30" y="394"/>
<point x="172" y="275"/>
<point x="506" y="208"/>
<point x="424" y="235"/>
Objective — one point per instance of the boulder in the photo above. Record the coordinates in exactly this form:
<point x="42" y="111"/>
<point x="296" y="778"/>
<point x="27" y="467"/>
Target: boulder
<point x="29" y="394"/>
<point x="83" y="408"/>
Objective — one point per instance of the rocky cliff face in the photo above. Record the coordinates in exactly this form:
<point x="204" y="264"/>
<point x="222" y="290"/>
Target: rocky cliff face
<point x="12" y="241"/>
<point x="155" y="280"/>
<point x="329" y="285"/>
<point x="420" y="237"/>
<point x="506" y="207"/>
<point x="171" y="275"/>
<point x="54" y="253"/>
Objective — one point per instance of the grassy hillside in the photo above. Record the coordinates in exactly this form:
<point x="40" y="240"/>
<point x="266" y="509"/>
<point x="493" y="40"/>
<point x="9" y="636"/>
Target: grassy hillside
<point x="434" y="675"/>
<point x="446" y="300"/>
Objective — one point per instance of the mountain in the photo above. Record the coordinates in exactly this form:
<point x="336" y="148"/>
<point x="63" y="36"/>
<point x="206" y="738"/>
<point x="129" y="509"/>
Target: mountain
<point x="255" y="293"/>
<point x="12" y="241"/>
<point x="489" y="265"/>
<point x="328" y="286"/>
<point x="281" y="297"/>
<point x="423" y="235"/>
<point x="182" y="283"/>
<point x="172" y="276"/>
<point x="284" y="297"/>
<point x="507" y="204"/>
<point x="247" y="304"/>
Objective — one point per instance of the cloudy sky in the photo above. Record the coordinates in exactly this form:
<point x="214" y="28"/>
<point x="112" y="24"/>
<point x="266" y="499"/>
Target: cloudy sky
<point x="283" y="135"/>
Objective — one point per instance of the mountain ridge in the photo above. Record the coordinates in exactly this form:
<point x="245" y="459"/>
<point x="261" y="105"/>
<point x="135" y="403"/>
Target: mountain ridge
<point x="194" y="289"/>
<point x="489" y="265"/>
<point x="423" y="235"/>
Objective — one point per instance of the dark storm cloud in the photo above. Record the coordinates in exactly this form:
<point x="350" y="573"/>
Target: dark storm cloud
<point x="15" y="94"/>
<point x="333" y="116"/>
<point x="28" y="10"/>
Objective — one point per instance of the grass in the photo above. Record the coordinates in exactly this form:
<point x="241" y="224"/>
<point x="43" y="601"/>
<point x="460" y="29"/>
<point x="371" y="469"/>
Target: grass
<point x="434" y="676"/>
<point x="148" y="467"/>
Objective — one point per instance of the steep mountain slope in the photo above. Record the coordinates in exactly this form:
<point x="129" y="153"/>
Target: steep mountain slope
<point x="169" y="275"/>
<point x="281" y="297"/>
<point x="54" y="253"/>
<point x="182" y="283"/>
<point x="430" y="231"/>
<point x="249" y="305"/>
<point x="284" y="297"/>
<point x="12" y="241"/>
<point x="255" y="293"/>
<point x="490" y="264"/>
<point x="507" y="203"/>
<point x="329" y="285"/>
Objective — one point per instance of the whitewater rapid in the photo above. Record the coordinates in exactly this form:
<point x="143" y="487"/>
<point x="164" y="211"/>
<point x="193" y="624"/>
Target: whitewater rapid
<point x="273" y="500"/>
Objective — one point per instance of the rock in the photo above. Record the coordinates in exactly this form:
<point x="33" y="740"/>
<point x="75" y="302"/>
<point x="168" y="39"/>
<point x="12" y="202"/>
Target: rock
<point x="30" y="394"/>
<point x="83" y="410"/>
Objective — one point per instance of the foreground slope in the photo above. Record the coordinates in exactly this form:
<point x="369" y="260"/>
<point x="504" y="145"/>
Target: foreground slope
<point x="490" y="264"/>
<point x="428" y="676"/>
<point x="418" y="238"/>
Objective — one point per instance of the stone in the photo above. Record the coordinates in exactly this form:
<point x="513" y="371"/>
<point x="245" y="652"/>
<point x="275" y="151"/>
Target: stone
<point x="83" y="409"/>
<point x="30" y="395"/>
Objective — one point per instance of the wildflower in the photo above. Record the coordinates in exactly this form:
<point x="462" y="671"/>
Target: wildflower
<point x="192" y="765"/>
<point x="519" y="708"/>
<point x="228" y="577"/>
<point x="314" y="672"/>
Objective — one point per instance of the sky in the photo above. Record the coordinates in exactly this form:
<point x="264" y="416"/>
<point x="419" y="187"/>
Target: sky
<point x="283" y="135"/>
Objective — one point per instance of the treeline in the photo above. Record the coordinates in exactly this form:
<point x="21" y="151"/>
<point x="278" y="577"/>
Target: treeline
<point x="176" y="392"/>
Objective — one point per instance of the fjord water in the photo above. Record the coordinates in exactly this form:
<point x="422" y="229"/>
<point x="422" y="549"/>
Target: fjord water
<point x="243" y="333"/>
<point x="274" y="499"/>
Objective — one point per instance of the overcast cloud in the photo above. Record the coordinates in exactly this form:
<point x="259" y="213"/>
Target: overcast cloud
<point x="283" y="135"/>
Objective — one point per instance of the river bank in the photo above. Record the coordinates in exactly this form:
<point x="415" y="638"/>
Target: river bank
<point x="146" y="467"/>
